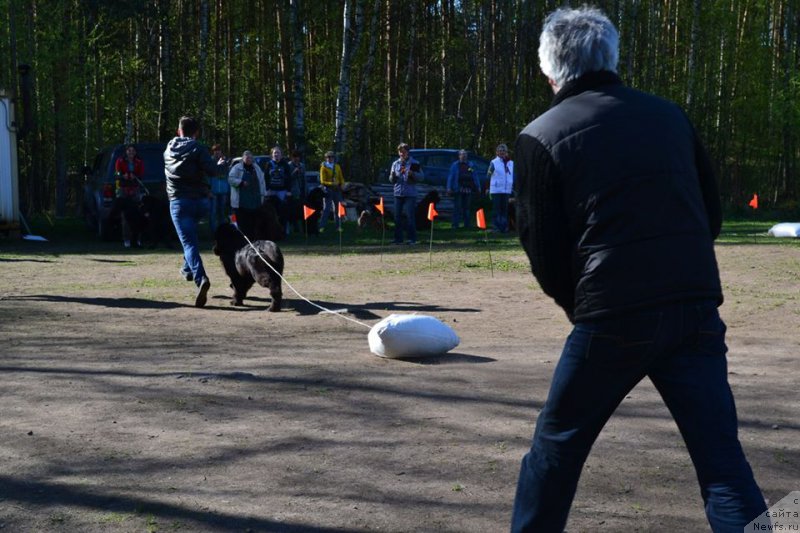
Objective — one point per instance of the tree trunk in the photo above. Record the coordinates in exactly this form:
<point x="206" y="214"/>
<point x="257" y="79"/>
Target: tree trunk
<point x="690" y="62"/>
<point x="350" y="40"/>
<point x="286" y="77"/>
<point x="164" y="130"/>
<point x="401" y="115"/>
<point x="360" y="162"/>
<point x="298" y="88"/>
<point x="202" y="61"/>
<point x="60" y="75"/>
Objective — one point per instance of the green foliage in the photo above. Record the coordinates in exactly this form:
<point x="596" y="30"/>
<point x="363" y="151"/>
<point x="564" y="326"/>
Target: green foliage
<point x="467" y="76"/>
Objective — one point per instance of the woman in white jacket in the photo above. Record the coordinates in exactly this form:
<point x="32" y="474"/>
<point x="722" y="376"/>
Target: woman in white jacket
<point x="501" y="184"/>
<point x="248" y="190"/>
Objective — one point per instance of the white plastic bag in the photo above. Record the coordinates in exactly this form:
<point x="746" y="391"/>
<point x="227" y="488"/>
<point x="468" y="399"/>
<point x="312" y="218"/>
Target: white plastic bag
<point x="411" y="336"/>
<point x="785" y="229"/>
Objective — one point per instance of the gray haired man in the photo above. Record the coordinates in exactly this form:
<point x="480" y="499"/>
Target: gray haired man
<point x="618" y="209"/>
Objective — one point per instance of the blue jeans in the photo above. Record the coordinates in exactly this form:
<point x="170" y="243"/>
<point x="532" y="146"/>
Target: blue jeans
<point x="186" y="214"/>
<point x="220" y="205"/>
<point x="330" y="205"/>
<point x="462" y="202"/>
<point x="500" y="211"/>
<point x="681" y="348"/>
<point x="405" y="205"/>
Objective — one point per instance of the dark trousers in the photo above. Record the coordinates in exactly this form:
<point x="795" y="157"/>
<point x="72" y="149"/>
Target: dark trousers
<point x="681" y="348"/>
<point x="405" y="206"/>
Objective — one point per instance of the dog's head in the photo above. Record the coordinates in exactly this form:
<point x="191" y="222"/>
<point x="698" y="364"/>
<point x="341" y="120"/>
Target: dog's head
<point x="227" y="240"/>
<point x="314" y="198"/>
<point x="268" y="225"/>
<point x="431" y="197"/>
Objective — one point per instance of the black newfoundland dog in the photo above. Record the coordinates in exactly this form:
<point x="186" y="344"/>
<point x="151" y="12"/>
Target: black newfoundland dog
<point x="244" y="267"/>
<point x="421" y="212"/>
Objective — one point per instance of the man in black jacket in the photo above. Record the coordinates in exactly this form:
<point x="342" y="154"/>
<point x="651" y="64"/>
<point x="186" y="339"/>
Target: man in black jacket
<point x="617" y="209"/>
<point x="186" y="165"/>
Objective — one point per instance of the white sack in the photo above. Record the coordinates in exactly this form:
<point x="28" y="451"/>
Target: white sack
<point x="407" y="336"/>
<point x="785" y="229"/>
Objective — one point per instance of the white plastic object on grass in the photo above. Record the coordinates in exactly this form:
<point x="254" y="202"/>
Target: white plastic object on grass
<point x="785" y="229"/>
<point x="411" y="336"/>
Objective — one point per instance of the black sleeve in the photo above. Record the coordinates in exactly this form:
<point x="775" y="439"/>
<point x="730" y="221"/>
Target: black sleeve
<point x="708" y="186"/>
<point x="543" y="222"/>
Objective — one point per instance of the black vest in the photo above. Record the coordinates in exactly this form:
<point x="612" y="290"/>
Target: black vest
<point x="639" y="228"/>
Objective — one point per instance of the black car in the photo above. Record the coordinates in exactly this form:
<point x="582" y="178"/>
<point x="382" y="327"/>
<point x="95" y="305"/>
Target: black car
<point x="436" y="162"/>
<point x="99" y="185"/>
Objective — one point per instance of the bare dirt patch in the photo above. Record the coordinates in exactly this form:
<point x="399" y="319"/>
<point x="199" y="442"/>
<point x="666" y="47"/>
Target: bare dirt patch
<point x="124" y="408"/>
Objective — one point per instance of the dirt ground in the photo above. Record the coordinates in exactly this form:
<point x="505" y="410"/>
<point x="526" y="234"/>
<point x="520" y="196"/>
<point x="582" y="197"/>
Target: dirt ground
<point x="125" y="409"/>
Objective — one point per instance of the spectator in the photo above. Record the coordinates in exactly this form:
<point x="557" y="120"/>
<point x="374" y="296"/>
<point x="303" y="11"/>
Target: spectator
<point x="187" y="163"/>
<point x="404" y="174"/>
<point x="277" y="175"/>
<point x="622" y="239"/>
<point x="220" y="189"/>
<point x="331" y="179"/>
<point x="129" y="171"/>
<point x="248" y="191"/>
<point x="463" y="184"/>
<point x="501" y="183"/>
<point x="297" y="171"/>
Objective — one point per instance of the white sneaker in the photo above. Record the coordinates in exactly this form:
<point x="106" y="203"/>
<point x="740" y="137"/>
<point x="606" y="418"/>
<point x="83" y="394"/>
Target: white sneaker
<point x="126" y="243"/>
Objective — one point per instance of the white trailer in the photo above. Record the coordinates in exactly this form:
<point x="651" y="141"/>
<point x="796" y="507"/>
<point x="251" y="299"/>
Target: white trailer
<point x="9" y="177"/>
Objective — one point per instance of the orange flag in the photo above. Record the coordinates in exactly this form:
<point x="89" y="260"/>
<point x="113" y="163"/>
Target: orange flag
<point x="379" y="206"/>
<point x="307" y="212"/>
<point x="432" y="213"/>
<point x="754" y="202"/>
<point x="342" y="212"/>
<point x="480" y="218"/>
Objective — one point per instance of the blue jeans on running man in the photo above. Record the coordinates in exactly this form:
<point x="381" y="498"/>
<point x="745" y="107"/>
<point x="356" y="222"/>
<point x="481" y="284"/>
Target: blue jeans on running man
<point x="681" y="348"/>
<point x="405" y="205"/>
<point x="186" y="214"/>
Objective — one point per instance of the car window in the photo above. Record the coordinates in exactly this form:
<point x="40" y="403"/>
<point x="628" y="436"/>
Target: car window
<point x="440" y="160"/>
<point x="153" y="160"/>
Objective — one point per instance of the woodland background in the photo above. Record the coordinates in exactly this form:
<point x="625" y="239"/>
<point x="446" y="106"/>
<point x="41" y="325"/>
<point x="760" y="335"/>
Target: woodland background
<point x="359" y="76"/>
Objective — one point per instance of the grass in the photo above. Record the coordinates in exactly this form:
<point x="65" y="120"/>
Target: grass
<point x="751" y="231"/>
<point x="69" y="235"/>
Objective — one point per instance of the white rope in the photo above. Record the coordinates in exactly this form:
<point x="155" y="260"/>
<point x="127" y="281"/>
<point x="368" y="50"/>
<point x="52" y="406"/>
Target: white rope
<point x="325" y="309"/>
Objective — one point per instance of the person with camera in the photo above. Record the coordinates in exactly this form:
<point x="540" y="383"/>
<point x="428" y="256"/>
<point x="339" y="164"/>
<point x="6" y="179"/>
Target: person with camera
<point x="404" y="174"/>
<point x="129" y="171"/>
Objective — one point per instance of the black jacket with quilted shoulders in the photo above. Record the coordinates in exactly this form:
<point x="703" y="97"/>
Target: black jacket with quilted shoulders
<point x="617" y="203"/>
